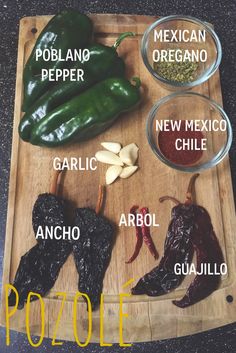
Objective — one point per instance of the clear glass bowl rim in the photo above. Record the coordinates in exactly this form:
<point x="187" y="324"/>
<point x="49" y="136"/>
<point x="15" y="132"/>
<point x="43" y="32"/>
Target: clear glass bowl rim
<point x="208" y="72"/>
<point x="214" y="161"/>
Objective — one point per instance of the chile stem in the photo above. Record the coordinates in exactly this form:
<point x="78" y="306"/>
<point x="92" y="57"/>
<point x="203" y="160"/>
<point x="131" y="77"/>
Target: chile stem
<point x="55" y="182"/>
<point x="100" y="199"/>
<point x="164" y="198"/>
<point x="121" y="38"/>
<point x="189" y="195"/>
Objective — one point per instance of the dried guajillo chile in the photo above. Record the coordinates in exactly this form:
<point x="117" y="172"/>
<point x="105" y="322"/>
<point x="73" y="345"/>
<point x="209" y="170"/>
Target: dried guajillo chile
<point x="190" y="223"/>
<point x="103" y="63"/>
<point x="88" y="114"/>
<point x="204" y="241"/>
<point x="92" y="252"/>
<point x="68" y="30"/>
<point x="40" y="266"/>
<point x="208" y="251"/>
<point x="178" y="248"/>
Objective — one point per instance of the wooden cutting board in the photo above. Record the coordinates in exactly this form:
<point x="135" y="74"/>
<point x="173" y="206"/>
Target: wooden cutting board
<point x="31" y="173"/>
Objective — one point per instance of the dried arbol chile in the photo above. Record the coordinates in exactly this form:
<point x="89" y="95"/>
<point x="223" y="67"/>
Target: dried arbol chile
<point x="40" y="266"/>
<point x="147" y="235"/>
<point x="139" y="236"/>
<point x="142" y="234"/>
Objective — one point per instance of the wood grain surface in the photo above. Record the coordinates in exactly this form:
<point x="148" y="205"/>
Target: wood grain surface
<point x="31" y="174"/>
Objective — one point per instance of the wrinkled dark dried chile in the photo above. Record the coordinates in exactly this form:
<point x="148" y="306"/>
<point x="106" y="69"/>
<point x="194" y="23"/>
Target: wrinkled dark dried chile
<point x="38" y="270"/>
<point x="190" y="229"/>
<point x="40" y="266"/>
<point x="178" y="248"/>
<point x="208" y="250"/>
<point x="92" y="252"/>
<point x="48" y="211"/>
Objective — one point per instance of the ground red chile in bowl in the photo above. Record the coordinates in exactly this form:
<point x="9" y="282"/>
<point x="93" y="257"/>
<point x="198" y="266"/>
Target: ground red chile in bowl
<point x="199" y="135"/>
<point x="167" y="144"/>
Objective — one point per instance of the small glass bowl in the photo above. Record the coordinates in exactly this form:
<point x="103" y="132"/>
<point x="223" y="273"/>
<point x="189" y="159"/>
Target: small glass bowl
<point x="212" y="45"/>
<point x="193" y="106"/>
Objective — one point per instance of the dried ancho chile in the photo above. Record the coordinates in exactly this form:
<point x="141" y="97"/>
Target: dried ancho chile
<point x="92" y="252"/>
<point x="190" y="229"/>
<point x="40" y="266"/>
<point x="49" y="209"/>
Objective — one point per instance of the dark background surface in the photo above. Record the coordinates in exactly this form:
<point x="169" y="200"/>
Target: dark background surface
<point x="223" y="15"/>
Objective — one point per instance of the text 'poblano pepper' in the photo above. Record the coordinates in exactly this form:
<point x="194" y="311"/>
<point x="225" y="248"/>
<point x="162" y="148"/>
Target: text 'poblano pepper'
<point x="88" y="114"/>
<point x="67" y="30"/>
<point x="104" y="62"/>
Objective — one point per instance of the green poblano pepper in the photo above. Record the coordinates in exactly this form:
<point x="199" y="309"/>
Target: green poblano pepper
<point x="68" y="30"/>
<point x="103" y="63"/>
<point x="88" y="114"/>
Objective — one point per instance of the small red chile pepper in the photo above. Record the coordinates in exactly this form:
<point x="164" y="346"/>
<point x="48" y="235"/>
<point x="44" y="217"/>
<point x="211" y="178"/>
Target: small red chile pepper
<point x="139" y="237"/>
<point x="147" y="235"/>
<point x="142" y="234"/>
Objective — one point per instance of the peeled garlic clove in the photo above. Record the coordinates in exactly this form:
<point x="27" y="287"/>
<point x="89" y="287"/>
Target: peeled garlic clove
<point x="108" y="158"/>
<point x="128" y="171"/>
<point x="114" y="147"/>
<point x="129" y="154"/>
<point x="112" y="173"/>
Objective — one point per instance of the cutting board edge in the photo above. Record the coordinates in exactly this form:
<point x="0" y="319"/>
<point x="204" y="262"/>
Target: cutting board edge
<point x="10" y="224"/>
<point x="13" y="166"/>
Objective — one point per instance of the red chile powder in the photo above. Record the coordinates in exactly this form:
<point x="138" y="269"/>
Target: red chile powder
<point x="167" y="139"/>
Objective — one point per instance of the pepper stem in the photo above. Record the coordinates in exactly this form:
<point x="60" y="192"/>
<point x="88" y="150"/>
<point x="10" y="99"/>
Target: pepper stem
<point x="121" y="38"/>
<point x="189" y="195"/>
<point x="137" y="81"/>
<point x="55" y="182"/>
<point x="100" y="199"/>
<point x="164" y="198"/>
